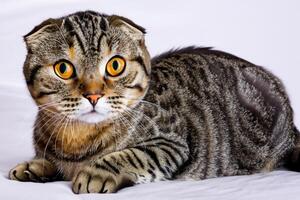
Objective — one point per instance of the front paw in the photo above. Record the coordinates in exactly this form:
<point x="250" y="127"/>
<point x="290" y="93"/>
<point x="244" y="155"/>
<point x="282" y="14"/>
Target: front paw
<point x="89" y="180"/>
<point x="93" y="180"/>
<point x="35" y="171"/>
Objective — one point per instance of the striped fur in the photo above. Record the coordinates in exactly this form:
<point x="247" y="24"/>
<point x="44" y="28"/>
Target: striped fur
<point x="192" y="113"/>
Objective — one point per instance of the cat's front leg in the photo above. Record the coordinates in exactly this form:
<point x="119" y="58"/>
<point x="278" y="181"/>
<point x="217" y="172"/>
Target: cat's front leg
<point x="36" y="170"/>
<point x="152" y="160"/>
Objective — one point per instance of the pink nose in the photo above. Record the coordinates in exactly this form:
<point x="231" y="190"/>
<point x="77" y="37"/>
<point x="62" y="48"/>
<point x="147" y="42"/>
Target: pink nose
<point x="93" y="98"/>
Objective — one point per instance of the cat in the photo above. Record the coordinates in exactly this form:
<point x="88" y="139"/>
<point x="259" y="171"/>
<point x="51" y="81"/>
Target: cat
<point x="109" y="116"/>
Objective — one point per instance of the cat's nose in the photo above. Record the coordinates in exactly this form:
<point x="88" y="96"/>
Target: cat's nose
<point x="93" y="98"/>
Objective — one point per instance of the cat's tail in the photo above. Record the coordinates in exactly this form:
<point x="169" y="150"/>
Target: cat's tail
<point x="293" y="160"/>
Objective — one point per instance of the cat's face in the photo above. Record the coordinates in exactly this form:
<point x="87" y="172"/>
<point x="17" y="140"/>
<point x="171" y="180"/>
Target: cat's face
<point x="86" y="66"/>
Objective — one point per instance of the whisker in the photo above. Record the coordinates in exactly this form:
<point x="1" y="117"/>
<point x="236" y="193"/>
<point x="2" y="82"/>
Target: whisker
<point x="141" y="113"/>
<point x="52" y="102"/>
<point x="49" y="139"/>
<point x="58" y="134"/>
<point x="56" y="119"/>
<point x="134" y="127"/>
<point x="147" y="102"/>
<point x="63" y="135"/>
<point x="46" y="107"/>
<point x="137" y="121"/>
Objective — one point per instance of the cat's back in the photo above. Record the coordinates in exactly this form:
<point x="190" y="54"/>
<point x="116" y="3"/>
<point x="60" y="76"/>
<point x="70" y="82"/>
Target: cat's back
<point x="195" y="79"/>
<point x="196" y="69"/>
<point x="191" y="60"/>
<point x="232" y="110"/>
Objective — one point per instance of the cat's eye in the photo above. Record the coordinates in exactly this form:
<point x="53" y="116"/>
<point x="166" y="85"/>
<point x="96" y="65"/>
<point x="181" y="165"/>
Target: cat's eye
<point x="115" y="66"/>
<point x="64" y="70"/>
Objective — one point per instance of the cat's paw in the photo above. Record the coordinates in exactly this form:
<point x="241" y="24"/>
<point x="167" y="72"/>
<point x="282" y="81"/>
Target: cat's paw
<point x="34" y="171"/>
<point x="92" y="180"/>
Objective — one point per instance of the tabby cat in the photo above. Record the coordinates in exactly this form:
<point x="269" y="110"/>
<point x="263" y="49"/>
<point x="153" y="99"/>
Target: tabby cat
<point x="110" y="117"/>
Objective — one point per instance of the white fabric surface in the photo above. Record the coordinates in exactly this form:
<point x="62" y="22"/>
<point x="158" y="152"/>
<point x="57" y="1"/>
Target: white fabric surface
<point x="264" y="32"/>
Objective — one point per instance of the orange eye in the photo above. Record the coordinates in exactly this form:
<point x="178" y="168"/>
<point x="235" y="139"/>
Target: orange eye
<point x="115" y="66"/>
<point x="64" y="70"/>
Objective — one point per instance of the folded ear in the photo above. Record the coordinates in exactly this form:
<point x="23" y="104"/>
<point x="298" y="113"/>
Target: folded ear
<point x="42" y="31"/>
<point x="127" y="26"/>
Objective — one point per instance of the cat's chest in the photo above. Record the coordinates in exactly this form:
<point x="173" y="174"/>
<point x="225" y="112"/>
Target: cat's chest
<point x="77" y="141"/>
<point x="70" y="168"/>
<point x="77" y="147"/>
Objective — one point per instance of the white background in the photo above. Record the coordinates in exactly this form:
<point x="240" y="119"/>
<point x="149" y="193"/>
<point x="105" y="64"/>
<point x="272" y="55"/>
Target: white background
<point x="264" y="32"/>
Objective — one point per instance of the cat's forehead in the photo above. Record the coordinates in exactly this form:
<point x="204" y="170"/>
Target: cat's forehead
<point x="92" y="34"/>
<point x="88" y="29"/>
<point x="87" y="22"/>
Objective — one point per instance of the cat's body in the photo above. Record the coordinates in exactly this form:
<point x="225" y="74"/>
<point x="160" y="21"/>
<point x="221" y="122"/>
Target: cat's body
<point x="198" y="113"/>
<point x="236" y="116"/>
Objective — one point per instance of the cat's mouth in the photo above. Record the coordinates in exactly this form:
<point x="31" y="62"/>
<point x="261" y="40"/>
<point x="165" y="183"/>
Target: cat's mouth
<point x="92" y="112"/>
<point x="93" y="116"/>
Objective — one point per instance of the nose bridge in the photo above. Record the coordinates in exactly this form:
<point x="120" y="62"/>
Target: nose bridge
<point x="93" y="87"/>
<point x="92" y="82"/>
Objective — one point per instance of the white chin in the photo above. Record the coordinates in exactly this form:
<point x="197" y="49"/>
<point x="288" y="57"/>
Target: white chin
<point x="92" y="117"/>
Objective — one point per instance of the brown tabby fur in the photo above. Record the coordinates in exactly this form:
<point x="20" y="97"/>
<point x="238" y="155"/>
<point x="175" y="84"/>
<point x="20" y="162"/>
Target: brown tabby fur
<point x="192" y="113"/>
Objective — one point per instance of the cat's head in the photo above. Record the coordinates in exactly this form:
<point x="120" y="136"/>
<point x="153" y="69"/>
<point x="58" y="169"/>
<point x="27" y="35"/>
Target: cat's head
<point x="87" y="66"/>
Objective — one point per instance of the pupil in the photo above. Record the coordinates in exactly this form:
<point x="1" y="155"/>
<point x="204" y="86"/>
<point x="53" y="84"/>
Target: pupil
<point x="115" y="65"/>
<point x="63" y="68"/>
